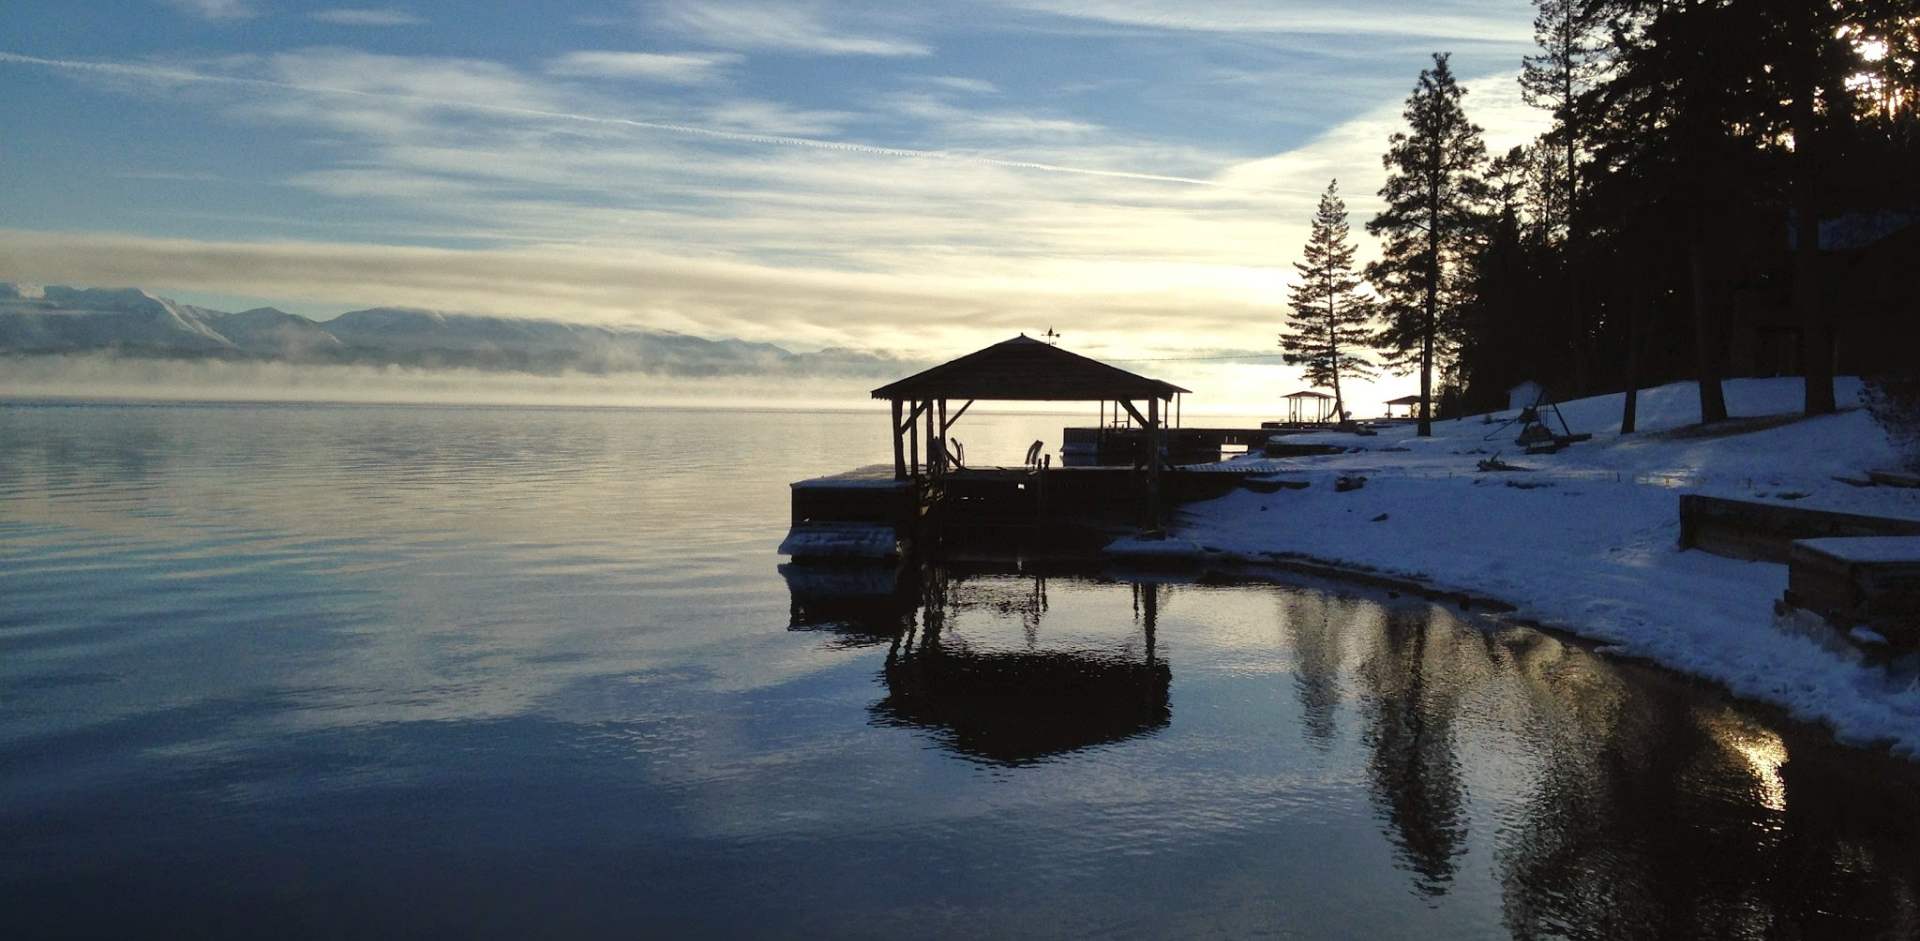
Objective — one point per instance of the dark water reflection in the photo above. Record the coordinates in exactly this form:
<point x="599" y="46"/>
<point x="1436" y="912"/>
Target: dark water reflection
<point x="352" y="672"/>
<point x="1616" y="800"/>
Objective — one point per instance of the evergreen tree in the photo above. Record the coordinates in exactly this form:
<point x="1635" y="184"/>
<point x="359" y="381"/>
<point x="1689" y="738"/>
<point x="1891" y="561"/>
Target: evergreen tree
<point x="1330" y="327"/>
<point x="1432" y="191"/>
<point x="1679" y="131"/>
<point x="1500" y="323"/>
<point x="1573" y="59"/>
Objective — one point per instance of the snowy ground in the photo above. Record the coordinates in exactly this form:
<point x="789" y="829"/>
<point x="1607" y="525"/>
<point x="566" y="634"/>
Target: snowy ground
<point x="1587" y="541"/>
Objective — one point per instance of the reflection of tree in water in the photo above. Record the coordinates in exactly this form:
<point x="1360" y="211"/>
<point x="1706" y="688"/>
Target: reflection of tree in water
<point x="1020" y="707"/>
<point x="1411" y="693"/>
<point x="1315" y="623"/>
<point x="1655" y="815"/>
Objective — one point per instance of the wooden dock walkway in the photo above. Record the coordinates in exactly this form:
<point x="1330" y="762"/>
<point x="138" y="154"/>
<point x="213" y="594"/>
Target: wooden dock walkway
<point x="867" y="513"/>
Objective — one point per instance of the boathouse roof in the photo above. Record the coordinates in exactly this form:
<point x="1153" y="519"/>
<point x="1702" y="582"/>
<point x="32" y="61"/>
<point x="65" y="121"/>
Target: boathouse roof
<point x="1026" y="369"/>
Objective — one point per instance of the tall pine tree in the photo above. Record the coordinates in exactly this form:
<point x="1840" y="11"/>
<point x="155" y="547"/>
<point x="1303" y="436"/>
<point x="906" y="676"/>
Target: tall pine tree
<point x="1432" y="191"/>
<point x="1331" y="324"/>
<point x="1574" y="57"/>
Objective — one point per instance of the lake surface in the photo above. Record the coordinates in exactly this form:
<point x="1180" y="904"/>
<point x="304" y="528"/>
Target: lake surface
<point x="350" y="671"/>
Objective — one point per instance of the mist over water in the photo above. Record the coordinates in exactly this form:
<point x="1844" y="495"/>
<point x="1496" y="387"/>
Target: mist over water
<point x="1232" y="393"/>
<point x="95" y="377"/>
<point x="351" y="670"/>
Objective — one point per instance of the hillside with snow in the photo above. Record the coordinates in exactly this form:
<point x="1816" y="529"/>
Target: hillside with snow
<point x="131" y="322"/>
<point x="1587" y="539"/>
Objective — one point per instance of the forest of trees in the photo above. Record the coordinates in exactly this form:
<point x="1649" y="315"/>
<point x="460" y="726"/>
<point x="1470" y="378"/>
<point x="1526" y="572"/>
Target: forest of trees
<point x="1728" y="187"/>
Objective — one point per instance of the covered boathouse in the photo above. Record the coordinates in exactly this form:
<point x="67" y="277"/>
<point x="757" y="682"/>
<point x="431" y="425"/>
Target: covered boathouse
<point x="1022" y="369"/>
<point x="868" y="512"/>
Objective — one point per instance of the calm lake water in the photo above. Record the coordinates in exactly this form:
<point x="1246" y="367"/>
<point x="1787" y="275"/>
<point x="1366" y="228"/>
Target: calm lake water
<point x="352" y="671"/>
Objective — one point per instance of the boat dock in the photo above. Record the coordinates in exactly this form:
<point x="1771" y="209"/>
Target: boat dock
<point x="1106" y="484"/>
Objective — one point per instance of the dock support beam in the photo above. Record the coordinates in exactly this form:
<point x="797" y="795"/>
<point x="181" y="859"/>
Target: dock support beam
<point x="945" y="445"/>
<point x="1155" y="448"/>
<point x="899" y="448"/>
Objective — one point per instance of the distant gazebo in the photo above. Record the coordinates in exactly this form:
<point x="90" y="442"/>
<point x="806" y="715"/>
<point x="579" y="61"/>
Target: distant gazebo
<point x="1411" y="402"/>
<point x="1305" y="403"/>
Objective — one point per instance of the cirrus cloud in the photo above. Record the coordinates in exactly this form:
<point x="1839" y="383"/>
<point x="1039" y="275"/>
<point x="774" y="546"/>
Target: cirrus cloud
<point x="683" y="68"/>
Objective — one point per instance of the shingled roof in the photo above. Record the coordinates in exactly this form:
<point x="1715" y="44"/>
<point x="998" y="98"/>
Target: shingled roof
<point x="1025" y="369"/>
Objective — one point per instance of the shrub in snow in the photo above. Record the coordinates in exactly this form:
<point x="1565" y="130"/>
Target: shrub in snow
<point x="1894" y="401"/>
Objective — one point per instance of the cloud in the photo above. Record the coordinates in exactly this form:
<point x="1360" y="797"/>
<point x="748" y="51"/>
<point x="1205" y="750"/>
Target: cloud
<point x="774" y="118"/>
<point x="417" y="80"/>
<point x="969" y="86"/>
<point x="1351" y="150"/>
<point x="950" y="121"/>
<point x="363" y="16"/>
<point x="777" y="26"/>
<point x="748" y="217"/>
<point x="684" y="68"/>
<point x="809" y="305"/>
<point x="169" y="176"/>
<point x="1476" y="20"/>
<point x="214" y="9"/>
<point x="414" y="84"/>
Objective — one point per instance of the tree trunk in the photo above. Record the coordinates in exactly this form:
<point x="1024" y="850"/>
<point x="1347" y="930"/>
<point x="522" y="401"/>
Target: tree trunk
<point x="1629" y="412"/>
<point x="1426" y="371"/>
<point x="1816" y="331"/>
<point x="1706" y="330"/>
<point x="1333" y="360"/>
<point x="1426" y="314"/>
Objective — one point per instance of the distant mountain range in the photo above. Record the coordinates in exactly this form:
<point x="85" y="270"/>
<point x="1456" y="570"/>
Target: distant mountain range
<point x="132" y="322"/>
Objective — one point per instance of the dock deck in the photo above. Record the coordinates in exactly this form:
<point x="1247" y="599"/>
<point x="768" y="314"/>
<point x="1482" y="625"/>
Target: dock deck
<point x="864" y="512"/>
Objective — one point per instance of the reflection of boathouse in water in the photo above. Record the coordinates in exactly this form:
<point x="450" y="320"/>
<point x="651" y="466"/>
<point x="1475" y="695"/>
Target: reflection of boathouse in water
<point x="1595" y="798"/>
<point x="997" y="706"/>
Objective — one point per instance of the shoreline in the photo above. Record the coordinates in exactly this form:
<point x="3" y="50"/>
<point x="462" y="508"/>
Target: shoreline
<point x="1587" y="541"/>
<point x="1274" y="569"/>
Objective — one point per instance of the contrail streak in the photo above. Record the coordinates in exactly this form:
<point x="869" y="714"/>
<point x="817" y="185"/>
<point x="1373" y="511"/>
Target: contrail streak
<point x="185" y="75"/>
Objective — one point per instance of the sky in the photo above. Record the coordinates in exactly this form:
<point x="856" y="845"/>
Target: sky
<point x="922" y="178"/>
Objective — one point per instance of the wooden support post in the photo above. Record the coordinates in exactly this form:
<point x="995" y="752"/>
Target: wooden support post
<point x="933" y="466"/>
<point x="1154" y="442"/>
<point x="945" y="445"/>
<point x="913" y="440"/>
<point x="899" y="448"/>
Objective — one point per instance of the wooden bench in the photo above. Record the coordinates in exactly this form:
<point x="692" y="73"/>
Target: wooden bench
<point x="1870" y="581"/>
<point x="1745" y="529"/>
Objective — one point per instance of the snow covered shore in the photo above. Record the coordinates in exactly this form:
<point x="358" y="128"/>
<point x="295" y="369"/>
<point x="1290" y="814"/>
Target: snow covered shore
<point x="1587" y="540"/>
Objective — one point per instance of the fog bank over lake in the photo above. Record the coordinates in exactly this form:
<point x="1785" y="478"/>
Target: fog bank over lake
<point x="208" y="380"/>
<point x="1223" y="391"/>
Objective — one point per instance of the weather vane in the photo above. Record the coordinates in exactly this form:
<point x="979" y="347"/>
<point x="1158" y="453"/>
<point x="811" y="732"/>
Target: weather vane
<point x="1052" y="337"/>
